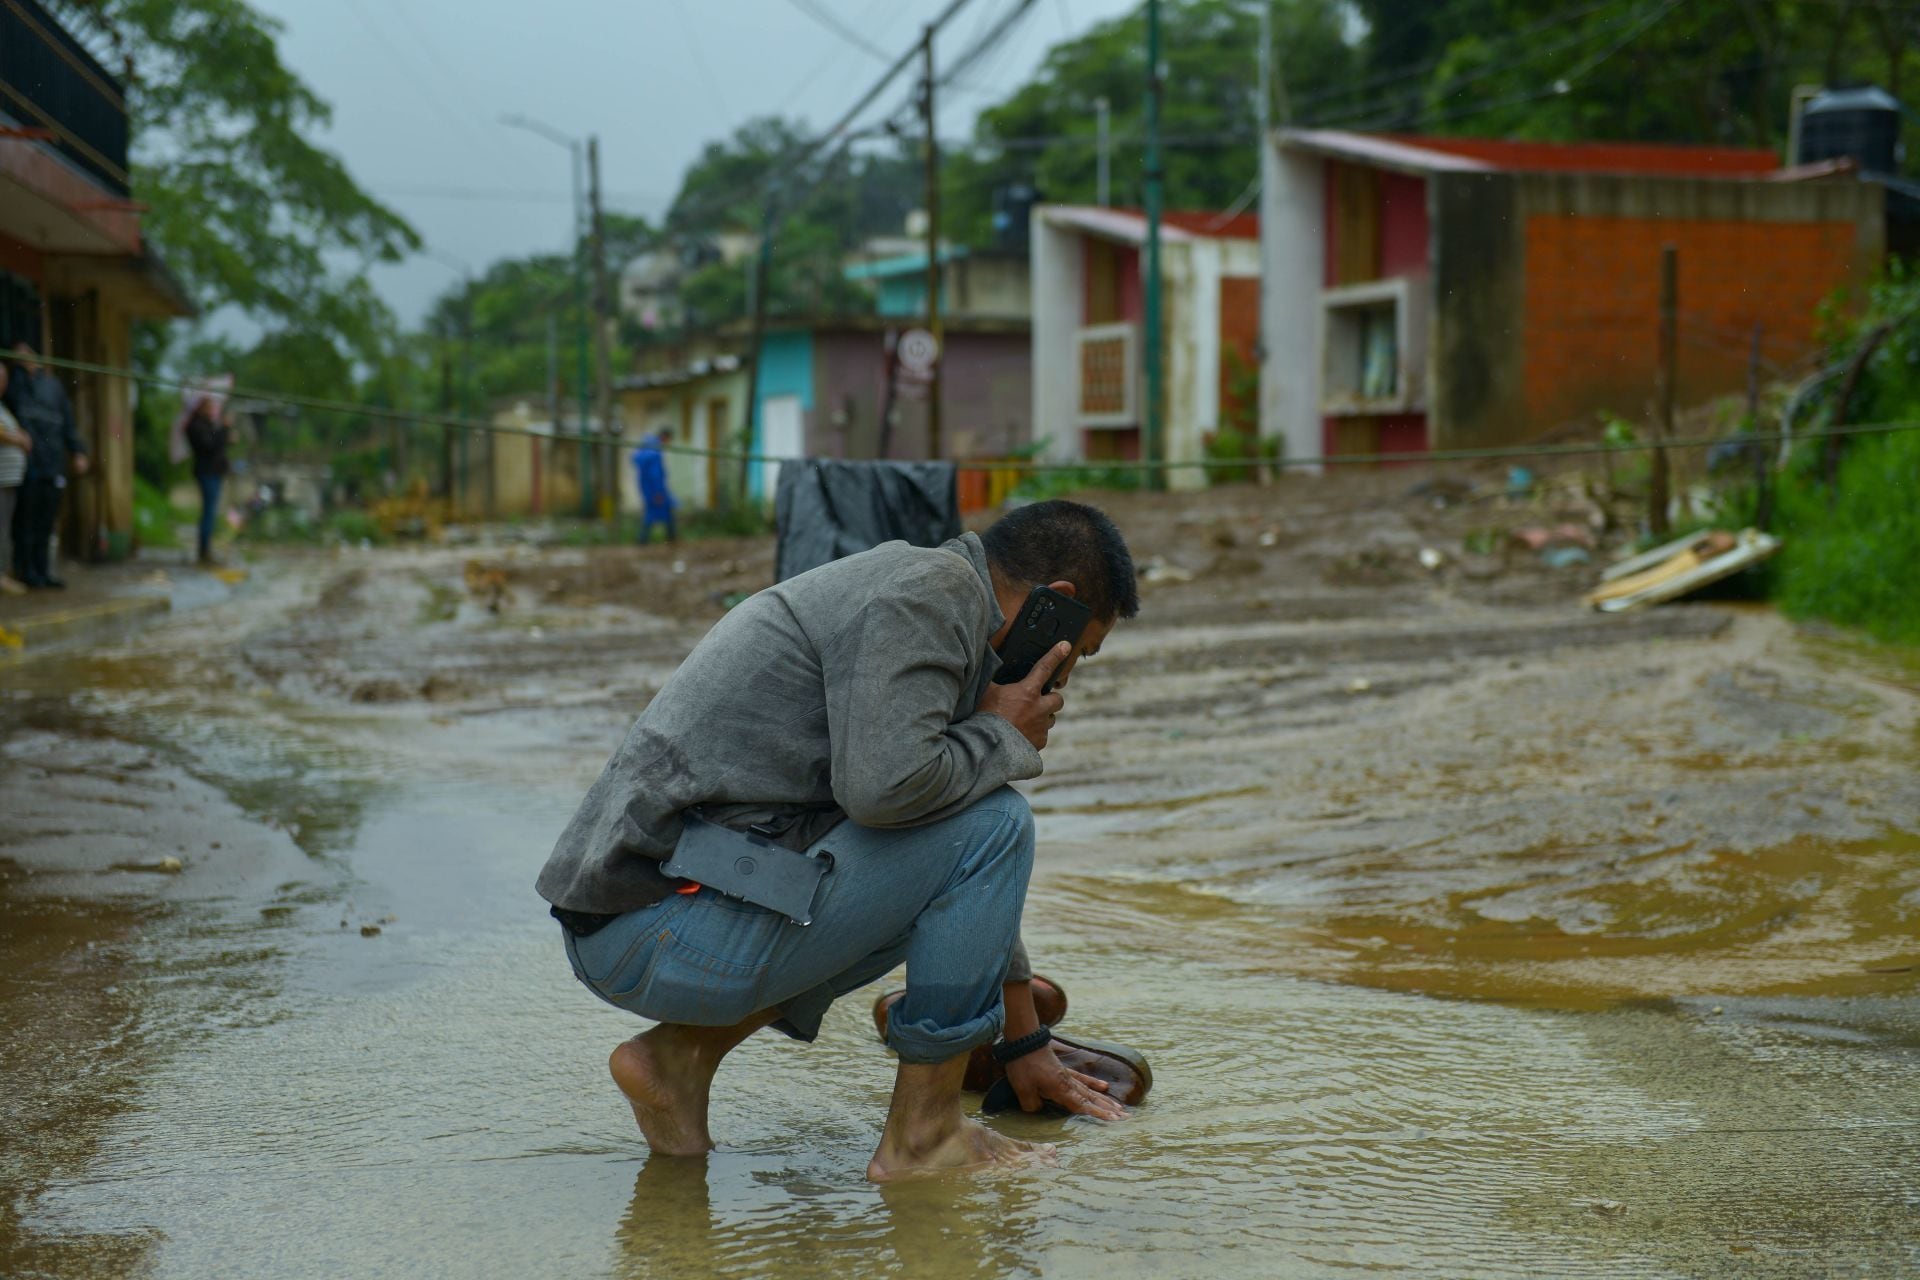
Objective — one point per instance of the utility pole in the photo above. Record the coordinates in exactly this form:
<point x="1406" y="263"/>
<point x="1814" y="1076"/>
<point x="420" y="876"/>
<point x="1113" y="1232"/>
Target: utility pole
<point x="1152" y="446"/>
<point x="1261" y="175"/>
<point x="602" y="323"/>
<point x="1103" y="172"/>
<point x="933" y="250"/>
<point x="446" y="408"/>
<point x="466" y="383"/>
<point x="1660" y="480"/>
<point x="762" y="268"/>
<point x="580" y="330"/>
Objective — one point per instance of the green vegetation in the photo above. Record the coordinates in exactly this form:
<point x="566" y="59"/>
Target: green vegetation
<point x="1851" y="547"/>
<point x="1850" y="552"/>
<point x="1038" y="486"/>
<point x="155" y="519"/>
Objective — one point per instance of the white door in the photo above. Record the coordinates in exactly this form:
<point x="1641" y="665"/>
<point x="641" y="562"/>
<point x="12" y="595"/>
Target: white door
<point x="783" y="434"/>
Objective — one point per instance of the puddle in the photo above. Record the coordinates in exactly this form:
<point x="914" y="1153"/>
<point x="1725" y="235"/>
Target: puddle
<point x="1525" y="972"/>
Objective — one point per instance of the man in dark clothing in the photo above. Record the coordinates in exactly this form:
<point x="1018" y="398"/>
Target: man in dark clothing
<point x="207" y="437"/>
<point x="40" y="404"/>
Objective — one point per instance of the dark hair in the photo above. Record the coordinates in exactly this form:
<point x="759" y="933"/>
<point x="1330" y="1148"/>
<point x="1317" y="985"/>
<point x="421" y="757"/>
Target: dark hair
<point x="1061" y="541"/>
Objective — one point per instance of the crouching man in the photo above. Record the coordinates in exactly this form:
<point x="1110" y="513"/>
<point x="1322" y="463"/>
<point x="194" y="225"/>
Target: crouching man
<point x="852" y="710"/>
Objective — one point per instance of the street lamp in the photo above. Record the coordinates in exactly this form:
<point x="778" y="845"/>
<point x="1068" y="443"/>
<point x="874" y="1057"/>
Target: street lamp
<point x="574" y="150"/>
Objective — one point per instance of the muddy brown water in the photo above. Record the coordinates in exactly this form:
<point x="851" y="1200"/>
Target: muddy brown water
<point x="1524" y="955"/>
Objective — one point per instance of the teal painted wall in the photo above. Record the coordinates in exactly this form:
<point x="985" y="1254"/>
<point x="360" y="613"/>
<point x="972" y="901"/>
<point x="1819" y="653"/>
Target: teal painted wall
<point x="786" y="369"/>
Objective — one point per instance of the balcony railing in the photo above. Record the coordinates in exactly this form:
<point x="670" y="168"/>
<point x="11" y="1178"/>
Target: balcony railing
<point x="49" y="81"/>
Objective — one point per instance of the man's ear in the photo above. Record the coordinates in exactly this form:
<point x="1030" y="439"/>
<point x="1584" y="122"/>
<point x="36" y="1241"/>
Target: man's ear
<point x="1065" y="588"/>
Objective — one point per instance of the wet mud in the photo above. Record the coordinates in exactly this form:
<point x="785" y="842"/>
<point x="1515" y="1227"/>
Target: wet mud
<point x="1468" y="933"/>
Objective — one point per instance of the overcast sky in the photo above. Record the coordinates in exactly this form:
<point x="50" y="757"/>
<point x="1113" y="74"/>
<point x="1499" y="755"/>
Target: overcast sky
<point x="418" y="87"/>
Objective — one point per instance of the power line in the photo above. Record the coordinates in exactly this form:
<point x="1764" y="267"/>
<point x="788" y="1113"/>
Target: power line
<point x="700" y="57"/>
<point x="824" y="16"/>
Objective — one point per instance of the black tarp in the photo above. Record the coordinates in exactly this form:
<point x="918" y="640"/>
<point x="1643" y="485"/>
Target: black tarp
<point x="826" y="509"/>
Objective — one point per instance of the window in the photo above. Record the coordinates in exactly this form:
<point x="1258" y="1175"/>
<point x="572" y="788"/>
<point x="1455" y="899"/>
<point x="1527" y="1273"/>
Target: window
<point x="1371" y="348"/>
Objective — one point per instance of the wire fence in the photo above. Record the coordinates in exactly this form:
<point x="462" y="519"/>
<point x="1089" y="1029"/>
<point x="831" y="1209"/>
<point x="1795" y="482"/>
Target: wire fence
<point x="1491" y="453"/>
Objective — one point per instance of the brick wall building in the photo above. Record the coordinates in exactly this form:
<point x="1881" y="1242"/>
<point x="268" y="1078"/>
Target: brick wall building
<point x="1427" y="293"/>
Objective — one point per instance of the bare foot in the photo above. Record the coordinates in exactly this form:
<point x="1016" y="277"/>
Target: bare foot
<point x="666" y="1078"/>
<point x="967" y="1145"/>
<point x="667" y="1074"/>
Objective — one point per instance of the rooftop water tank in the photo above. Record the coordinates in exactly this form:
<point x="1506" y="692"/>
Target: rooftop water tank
<point x="1860" y="124"/>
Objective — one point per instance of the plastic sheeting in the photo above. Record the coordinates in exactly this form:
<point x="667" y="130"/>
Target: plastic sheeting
<point x="826" y="509"/>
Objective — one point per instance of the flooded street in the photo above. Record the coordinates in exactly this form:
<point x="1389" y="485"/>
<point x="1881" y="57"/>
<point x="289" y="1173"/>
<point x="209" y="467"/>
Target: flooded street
<point x="1467" y="933"/>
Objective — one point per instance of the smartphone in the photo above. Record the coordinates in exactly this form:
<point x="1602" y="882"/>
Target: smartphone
<point x="1047" y="618"/>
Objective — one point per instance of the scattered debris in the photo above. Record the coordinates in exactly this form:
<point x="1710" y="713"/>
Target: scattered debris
<point x="1607" y="1208"/>
<point x="1564" y="557"/>
<point x="1359" y="684"/>
<point x="1679" y="568"/>
<point x="1156" y="570"/>
<point x="369" y="930"/>
<point x="1270" y="536"/>
<point x="1432" y="558"/>
<point x="1539" y="538"/>
<point x="170" y="865"/>
<point x="1442" y="492"/>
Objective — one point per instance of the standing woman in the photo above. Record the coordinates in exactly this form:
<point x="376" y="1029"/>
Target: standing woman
<point x="14" y="444"/>
<point x="207" y="436"/>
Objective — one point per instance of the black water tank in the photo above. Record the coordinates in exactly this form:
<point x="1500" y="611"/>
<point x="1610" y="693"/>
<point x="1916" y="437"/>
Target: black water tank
<point x="1862" y="124"/>
<point x="1012" y="204"/>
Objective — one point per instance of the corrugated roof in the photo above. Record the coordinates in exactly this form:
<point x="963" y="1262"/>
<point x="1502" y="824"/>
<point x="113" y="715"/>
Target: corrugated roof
<point x="1130" y="225"/>
<point x="1422" y="154"/>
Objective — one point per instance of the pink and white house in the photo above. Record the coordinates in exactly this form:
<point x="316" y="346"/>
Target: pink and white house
<point x="1089" y="390"/>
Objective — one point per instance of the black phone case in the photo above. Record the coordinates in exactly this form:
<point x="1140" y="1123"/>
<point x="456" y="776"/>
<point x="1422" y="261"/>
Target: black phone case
<point x="745" y="866"/>
<point x="1047" y="618"/>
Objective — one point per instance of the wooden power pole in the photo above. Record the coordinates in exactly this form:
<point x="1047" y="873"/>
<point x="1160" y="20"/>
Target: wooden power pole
<point x="933" y="249"/>
<point x="602" y="339"/>
<point x="1152" y="445"/>
<point x="1660" y="478"/>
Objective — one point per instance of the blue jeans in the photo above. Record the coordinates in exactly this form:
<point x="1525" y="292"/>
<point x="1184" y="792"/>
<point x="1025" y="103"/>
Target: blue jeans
<point x="945" y="897"/>
<point x="209" y="509"/>
<point x="651" y="516"/>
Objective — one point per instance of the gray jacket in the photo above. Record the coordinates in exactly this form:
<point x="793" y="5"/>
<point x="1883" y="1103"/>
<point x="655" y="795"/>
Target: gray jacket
<point x="851" y="687"/>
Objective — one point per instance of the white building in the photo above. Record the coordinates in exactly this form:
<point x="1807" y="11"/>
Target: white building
<point x="1089" y="391"/>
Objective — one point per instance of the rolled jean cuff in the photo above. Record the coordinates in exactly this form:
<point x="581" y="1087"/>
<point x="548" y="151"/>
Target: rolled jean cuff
<point x="923" y="1042"/>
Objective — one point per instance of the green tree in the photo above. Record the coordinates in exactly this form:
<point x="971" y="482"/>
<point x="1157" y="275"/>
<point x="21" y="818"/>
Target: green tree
<point x="1045" y="132"/>
<point x="244" y="207"/>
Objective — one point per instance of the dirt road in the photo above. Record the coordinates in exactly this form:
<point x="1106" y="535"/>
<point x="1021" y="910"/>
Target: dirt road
<point x="1469" y="933"/>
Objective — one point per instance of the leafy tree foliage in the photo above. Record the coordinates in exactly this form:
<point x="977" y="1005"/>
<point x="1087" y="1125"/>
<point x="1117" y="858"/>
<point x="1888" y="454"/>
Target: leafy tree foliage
<point x="1045" y="132"/>
<point x="241" y="203"/>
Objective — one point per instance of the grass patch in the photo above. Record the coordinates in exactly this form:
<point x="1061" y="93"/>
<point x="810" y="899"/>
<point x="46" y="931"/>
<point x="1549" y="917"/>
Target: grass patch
<point x="156" y="521"/>
<point x="1850" y="553"/>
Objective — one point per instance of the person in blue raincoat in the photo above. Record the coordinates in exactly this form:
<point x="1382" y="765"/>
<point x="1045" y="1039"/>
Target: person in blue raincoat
<point x="656" y="499"/>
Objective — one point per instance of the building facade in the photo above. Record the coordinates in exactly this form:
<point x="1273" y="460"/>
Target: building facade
<point x="75" y="269"/>
<point x="1435" y="293"/>
<point x="1089" y="392"/>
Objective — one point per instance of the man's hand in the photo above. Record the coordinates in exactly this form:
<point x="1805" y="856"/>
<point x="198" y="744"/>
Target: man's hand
<point x="1041" y="1077"/>
<point x="1023" y="706"/>
<point x="80" y="464"/>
